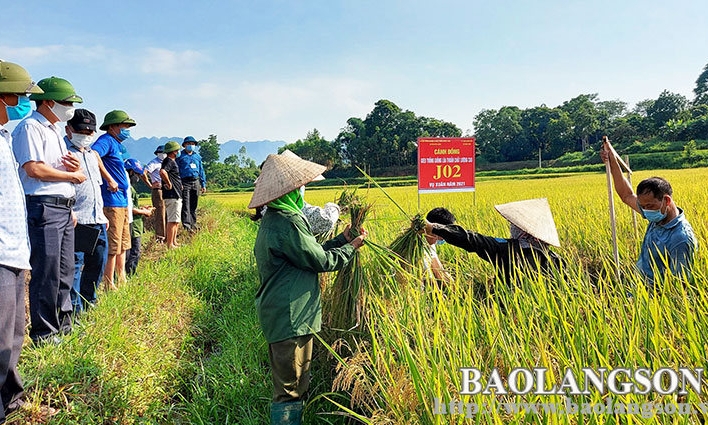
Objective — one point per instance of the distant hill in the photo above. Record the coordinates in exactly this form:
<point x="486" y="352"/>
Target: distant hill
<point x="143" y="148"/>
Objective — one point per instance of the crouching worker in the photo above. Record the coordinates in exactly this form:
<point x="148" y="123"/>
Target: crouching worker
<point x="289" y="259"/>
<point x="433" y="264"/>
<point x="533" y="231"/>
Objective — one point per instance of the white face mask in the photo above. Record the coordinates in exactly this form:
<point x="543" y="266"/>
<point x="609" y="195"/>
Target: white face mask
<point x="162" y="156"/>
<point x="63" y="113"/>
<point x="81" y="140"/>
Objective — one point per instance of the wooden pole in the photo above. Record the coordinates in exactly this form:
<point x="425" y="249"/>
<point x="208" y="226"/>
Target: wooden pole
<point x="613" y="223"/>
<point x="634" y="213"/>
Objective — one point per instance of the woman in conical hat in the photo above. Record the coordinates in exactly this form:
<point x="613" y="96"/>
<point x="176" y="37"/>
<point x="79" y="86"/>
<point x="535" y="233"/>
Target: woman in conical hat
<point x="322" y="220"/>
<point x="289" y="258"/>
<point x="533" y="231"/>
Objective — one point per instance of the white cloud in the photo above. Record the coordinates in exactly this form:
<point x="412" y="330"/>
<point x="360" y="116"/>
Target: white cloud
<point x="161" y="61"/>
<point x="53" y="53"/>
<point x="253" y="110"/>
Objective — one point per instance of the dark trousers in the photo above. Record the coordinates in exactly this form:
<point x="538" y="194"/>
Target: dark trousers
<point x="12" y="333"/>
<point x="190" y="199"/>
<point x="290" y="367"/>
<point x="158" y="216"/>
<point x="88" y="271"/>
<point x="51" y="233"/>
<point x="132" y="256"/>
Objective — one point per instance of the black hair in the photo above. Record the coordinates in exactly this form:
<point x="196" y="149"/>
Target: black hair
<point x="258" y="214"/>
<point x="441" y="216"/>
<point x="656" y="185"/>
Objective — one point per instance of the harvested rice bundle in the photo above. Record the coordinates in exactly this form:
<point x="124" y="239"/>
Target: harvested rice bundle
<point x="412" y="247"/>
<point x="346" y="294"/>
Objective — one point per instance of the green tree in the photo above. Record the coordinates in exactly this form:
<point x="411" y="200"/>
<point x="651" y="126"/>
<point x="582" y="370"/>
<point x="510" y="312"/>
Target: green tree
<point x="314" y="148"/>
<point x="545" y="127"/>
<point x="209" y="151"/>
<point x="500" y="136"/>
<point x="585" y="118"/>
<point x="701" y="90"/>
<point x="666" y="107"/>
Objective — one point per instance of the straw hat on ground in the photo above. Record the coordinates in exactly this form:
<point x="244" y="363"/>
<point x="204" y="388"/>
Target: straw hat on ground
<point x="282" y="174"/>
<point x="534" y="217"/>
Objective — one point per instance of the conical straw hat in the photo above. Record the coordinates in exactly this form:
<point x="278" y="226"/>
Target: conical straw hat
<point x="288" y="152"/>
<point x="282" y="174"/>
<point x="534" y="217"/>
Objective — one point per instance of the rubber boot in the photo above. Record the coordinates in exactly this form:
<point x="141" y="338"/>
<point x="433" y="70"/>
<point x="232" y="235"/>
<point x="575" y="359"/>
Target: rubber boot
<point x="286" y="413"/>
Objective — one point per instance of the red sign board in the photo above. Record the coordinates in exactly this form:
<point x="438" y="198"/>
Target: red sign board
<point x="446" y="164"/>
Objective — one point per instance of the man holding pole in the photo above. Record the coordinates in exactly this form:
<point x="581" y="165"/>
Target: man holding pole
<point x="669" y="240"/>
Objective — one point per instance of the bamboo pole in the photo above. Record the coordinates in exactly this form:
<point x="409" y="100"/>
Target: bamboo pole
<point x="611" y="200"/>
<point x="613" y="223"/>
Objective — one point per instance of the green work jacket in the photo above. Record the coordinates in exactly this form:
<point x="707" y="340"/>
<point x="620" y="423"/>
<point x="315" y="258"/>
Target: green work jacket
<point x="289" y="259"/>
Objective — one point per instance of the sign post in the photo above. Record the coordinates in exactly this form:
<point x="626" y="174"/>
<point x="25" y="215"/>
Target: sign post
<point x="446" y="165"/>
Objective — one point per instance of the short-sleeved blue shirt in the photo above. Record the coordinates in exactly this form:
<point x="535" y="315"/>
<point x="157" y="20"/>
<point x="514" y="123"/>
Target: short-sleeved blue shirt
<point x="109" y="150"/>
<point x="190" y="167"/>
<point x="673" y="242"/>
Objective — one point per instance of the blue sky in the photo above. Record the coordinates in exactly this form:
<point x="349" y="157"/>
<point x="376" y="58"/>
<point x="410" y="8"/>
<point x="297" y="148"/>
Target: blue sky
<point x="254" y="70"/>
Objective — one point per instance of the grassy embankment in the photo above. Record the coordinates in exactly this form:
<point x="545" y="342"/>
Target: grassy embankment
<point x="179" y="343"/>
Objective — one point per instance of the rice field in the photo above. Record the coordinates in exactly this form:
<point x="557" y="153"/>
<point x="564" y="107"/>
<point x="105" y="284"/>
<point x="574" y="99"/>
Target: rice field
<point x="404" y="366"/>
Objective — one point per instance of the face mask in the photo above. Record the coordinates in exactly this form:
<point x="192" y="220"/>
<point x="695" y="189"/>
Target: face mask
<point x="81" y="140"/>
<point x="19" y="111"/>
<point x="162" y="156"/>
<point x="654" y="216"/>
<point x="440" y="242"/>
<point x="63" y="113"/>
<point x="123" y="134"/>
<point x="189" y="148"/>
<point x="134" y="178"/>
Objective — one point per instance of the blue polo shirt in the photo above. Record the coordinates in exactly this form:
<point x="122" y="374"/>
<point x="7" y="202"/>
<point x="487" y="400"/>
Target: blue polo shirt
<point x="671" y="244"/>
<point x="109" y="149"/>
<point x="190" y="167"/>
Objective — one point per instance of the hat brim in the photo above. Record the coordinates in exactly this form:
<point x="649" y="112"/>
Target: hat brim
<point x="105" y="126"/>
<point x="534" y="217"/>
<point x="280" y="175"/>
<point x="82" y="127"/>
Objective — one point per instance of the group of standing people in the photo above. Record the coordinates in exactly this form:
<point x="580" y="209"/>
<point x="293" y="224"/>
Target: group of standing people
<point x="176" y="180"/>
<point x="70" y="213"/>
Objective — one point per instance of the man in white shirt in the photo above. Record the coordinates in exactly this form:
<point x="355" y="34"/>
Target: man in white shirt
<point x="48" y="172"/>
<point x="15" y="86"/>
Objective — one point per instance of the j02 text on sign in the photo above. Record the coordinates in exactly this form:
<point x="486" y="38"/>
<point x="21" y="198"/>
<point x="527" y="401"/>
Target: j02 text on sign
<point x="446" y="164"/>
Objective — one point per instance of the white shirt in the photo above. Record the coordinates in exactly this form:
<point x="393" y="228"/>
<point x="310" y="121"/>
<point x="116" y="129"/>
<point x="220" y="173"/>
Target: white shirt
<point x="14" y="240"/>
<point x="153" y="169"/>
<point x="36" y="139"/>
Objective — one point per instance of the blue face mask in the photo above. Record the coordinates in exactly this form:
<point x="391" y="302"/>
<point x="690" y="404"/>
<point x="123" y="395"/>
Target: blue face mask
<point x="124" y="134"/>
<point x="654" y="216"/>
<point x="189" y="148"/>
<point x="19" y="111"/>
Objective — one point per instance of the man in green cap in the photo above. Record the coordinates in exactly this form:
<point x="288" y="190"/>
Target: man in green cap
<point x="15" y="86"/>
<point x="48" y="172"/>
<point x="115" y="199"/>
